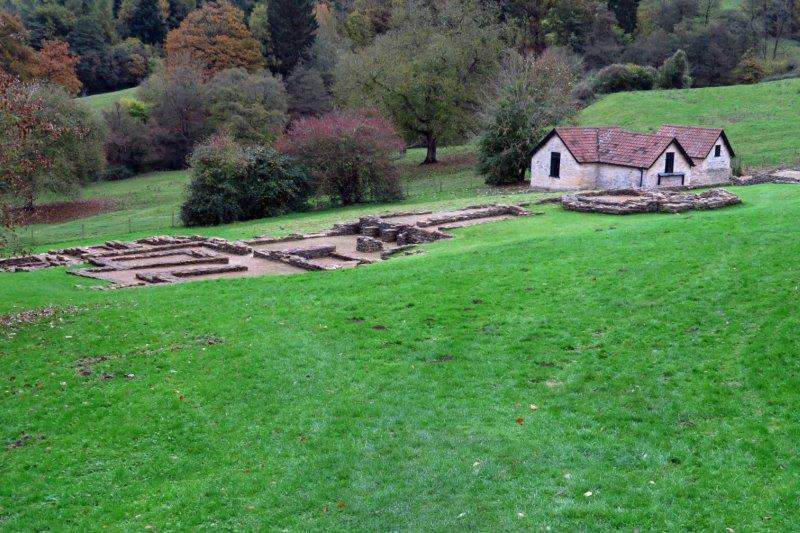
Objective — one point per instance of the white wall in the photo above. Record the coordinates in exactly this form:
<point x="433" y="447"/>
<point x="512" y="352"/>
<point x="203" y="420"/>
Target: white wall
<point x="617" y="177"/>
<point x="574" y="175"/>
<point x="681" y="165"/>
<point x="713" y="170"/>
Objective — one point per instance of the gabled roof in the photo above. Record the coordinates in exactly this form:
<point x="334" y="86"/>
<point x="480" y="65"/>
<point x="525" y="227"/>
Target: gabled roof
<point x="613" y="145"/>
<point x="697" y="141"/>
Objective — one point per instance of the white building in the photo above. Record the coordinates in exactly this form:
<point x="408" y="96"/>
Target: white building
<point x="610" y="157"/>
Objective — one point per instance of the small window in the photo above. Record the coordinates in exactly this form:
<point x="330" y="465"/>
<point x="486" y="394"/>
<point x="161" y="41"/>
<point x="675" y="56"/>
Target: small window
<point x="555" y="165"/>
<point x="669" y="163"/>
<point x="717" y="150"/>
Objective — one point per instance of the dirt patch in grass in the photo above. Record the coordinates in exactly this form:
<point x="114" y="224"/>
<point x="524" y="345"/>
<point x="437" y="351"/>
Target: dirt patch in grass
<point x="62" y="211"/>
<point x="32" y="316"/>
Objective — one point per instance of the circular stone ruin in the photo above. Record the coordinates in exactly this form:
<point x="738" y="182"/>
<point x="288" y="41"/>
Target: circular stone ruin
<point x="630" y="201"/>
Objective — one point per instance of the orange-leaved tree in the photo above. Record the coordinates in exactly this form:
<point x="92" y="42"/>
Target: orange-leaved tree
<point x="56" y="65"/>
<point x="216" y="37"/>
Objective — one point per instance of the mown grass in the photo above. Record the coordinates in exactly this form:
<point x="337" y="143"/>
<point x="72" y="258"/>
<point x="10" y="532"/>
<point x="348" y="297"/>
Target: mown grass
<point x="101" y="102"/>
<point x="760" y="120"/>
<point x="151" y="203"/>
<point x="660" y="351"/>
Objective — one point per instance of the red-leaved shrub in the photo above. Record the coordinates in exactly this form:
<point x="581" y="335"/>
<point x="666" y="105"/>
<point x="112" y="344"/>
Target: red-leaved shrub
<point x="351" y="155"/>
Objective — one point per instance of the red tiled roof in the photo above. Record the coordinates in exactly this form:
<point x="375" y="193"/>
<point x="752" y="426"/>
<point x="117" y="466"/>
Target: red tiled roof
<point x="614" y="146"/>
<point x="697" y="142"/>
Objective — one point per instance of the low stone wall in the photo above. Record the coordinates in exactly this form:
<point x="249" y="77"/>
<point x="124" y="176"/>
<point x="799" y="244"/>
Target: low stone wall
<point x="289" y="259"/>
<point x="630" y="201"/>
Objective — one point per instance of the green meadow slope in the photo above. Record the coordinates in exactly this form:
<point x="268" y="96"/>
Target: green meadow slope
<point x="103" y="101"/>
<point x="761" y="120"/>
<point x="660" y="352"/>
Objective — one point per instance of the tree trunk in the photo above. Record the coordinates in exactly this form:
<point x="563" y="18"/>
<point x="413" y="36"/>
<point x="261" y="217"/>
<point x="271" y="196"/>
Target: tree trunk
<point x="430" y="157"/>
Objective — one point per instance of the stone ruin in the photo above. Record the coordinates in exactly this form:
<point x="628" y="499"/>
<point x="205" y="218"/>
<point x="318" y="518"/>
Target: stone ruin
<point x="789" y="176"/>
<point x="171" y="259"/>
<point x="629" y="201"/>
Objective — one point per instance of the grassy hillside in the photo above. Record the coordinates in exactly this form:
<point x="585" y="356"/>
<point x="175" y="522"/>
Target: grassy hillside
<point x="659" y="350"/>
<point x="761" y="120"/>
<point x="102" y="101"/>
<point x="151" y="203"/>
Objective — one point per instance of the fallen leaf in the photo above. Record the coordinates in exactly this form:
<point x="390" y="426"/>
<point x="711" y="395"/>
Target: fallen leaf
<point x="588" y="493"/>
<point x="520" y="421"/>
<point x="341" y="505"/>
<point x="534" y="407"/>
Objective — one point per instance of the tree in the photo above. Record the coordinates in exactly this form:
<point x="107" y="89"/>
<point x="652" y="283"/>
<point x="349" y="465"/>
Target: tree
<point x="570" y="22"/>
<point x="55" y="64"/>
<point x="48" y="142"/>
<point x="625" y="13"/>
<point x="674" y="73"/>
<point x="49" y="22"/>
<point x="147" y="22"/>
<point x="428" y="73"/>
<point x="179" y="117"/>
<point x="128" y="140"/>
<point x="88" y="41"/>
<point x="530" y="96"/>
<point x="258" y="22"/>
<point x="308" y="95"/>
<point x="216" y="37"/>
<point x="292" y="27"/>
<point x="16" y="57"/>
<point x="250" y="107"/>
<point x="350" y="155"/>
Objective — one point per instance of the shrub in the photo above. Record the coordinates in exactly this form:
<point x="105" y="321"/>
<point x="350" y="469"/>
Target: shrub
<point x="749" y="70"/>
<point x="674" y="72"/>
<point x="350" y="155"/>
<point x="628" y="77"/>
<point x="231" y="183"/>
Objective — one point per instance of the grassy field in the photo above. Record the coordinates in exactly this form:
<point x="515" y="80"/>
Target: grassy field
<point x="102" y="101"/>
<point x="660" y="352"/>
<point x="761" y="120"/>
<point x="150" y="203"/>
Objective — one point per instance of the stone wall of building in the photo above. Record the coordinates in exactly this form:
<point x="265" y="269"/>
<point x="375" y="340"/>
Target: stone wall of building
<point x="574" y="175"/>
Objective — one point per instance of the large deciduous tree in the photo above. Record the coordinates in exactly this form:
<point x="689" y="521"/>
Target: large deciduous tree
<point x="428" y="72"/>
<point x="55" y="64"/>
<point x="48" y="142"/>
<point x="292" y="27"/>
<point x="530" y="96"/>
<point x="216" y="37"/>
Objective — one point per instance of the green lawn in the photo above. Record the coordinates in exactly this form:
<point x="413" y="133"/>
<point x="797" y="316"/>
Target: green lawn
<point x="660" y="351"/>
<point x="102" y="101"/>
<point x="761" y="120"/>
<point x="150" y="204"/>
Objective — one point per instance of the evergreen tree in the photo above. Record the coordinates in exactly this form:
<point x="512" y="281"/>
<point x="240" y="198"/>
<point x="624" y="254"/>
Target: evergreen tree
<point x="292" y="26"/>
<point x="147" y="22"/>
<point x="625" y="11"/>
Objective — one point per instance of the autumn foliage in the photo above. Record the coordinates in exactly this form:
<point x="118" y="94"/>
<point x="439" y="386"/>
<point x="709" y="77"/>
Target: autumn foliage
<point x="56" y="65"/>
<point x="351" y="155"/>
<point x="217" y="37"/>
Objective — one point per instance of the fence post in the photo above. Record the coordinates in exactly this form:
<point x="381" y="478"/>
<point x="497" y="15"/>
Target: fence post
<point x="173" y="218"/>
<point x="83" y="231"/>
<point x="129" y="224"/>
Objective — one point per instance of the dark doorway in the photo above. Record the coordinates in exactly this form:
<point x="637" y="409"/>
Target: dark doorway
<point x="669" y="164"/>
<point x="555" y="165"/>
